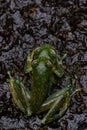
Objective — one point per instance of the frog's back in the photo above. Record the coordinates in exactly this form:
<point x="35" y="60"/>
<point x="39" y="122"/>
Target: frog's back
<point x="43" y="61"/>
<point x="40" y="86"/>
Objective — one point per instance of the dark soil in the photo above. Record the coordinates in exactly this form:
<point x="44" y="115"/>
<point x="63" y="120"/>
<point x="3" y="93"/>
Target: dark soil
<point x="26" y="24"/>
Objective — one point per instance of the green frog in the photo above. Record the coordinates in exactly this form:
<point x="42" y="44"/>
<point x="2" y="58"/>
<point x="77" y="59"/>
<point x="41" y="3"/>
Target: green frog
<point x="42" y="64"/>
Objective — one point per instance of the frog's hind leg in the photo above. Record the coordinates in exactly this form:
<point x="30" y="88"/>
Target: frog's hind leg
<point x="58" y="107"/>
<point x="50" y="117"/>
<point x="20" y="95"/>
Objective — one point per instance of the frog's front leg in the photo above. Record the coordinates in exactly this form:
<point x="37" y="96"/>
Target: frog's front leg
<point x="59" y="68"/>
<point x="28" y="65"/>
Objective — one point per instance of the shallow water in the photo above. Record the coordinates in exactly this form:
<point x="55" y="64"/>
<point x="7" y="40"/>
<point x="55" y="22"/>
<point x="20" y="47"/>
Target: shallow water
<point x="27" y="24"/>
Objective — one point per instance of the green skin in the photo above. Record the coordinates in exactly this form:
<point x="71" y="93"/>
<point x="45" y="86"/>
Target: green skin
<point x="42" y="64"/>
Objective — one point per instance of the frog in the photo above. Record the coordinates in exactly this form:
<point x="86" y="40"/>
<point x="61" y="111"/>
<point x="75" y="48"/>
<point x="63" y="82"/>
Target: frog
<point x="44" y="65"/>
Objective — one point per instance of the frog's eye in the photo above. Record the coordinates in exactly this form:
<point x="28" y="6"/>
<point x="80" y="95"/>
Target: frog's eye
<point x="49" y="64"/>
<point x="34" y="62"/>
<point x="53" y="52"/>
<point x="37" y="49"/>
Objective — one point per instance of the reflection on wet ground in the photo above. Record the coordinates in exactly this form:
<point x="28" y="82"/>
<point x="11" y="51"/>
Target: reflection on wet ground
<point x="27" y="24"/>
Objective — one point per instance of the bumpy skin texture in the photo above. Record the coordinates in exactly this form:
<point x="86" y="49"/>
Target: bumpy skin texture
<point x="42" y="64"/>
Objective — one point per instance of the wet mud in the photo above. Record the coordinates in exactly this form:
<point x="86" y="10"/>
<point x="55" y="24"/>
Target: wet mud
<point x="27" y="24"/>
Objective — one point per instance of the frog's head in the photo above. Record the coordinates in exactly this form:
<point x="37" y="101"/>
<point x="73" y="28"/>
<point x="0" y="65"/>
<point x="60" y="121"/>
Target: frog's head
<point x="48" y="55"/>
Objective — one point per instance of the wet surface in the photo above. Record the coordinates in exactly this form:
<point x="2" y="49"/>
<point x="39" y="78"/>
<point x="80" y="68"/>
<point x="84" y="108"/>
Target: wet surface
<point x="23" y="26"/>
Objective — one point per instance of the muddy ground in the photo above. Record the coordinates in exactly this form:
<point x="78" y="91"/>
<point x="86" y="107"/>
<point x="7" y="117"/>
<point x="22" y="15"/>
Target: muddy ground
<point x="27" y="24"/>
